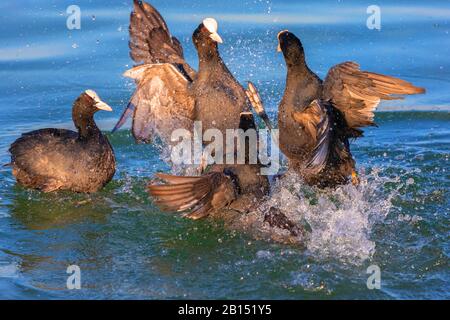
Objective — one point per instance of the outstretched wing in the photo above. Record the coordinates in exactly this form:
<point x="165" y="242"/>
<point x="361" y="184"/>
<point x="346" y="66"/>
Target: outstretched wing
<point x="151" y="41"/>
<point x="161" y="103"/>
<point x="358" y="93"/>
<point x="194" y="195"/>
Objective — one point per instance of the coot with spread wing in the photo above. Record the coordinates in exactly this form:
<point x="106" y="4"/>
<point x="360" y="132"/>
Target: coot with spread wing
<point x="170" y="94"/>
<point x="317" y="118"/>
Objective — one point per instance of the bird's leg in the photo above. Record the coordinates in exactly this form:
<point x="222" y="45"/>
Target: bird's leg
<point x="276" y="218"/>
<point x="355" y="178"/>
<point x="82" y="202"/>
<point x="196" y="215"/>
<point x="256" y="102"/>
<point x="203" y="164"/>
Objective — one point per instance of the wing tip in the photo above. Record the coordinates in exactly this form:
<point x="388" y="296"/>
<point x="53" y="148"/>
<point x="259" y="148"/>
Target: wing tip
<point x="125" y="115"/>
<point x="136" y="73"/>
<point x="257" y="104"/>
<point x="420" y="90"/>
<point x="176" y="195"/>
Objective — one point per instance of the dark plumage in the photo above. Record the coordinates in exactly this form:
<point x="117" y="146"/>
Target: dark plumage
<point x="317" y="118"/>
<point x="232" y="194"/>
<point x="170" y="94"/>
<point x="58" y="159"/>
<point x="237" y="187"/>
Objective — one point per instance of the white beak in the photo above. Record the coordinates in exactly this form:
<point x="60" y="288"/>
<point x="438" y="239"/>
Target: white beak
<point x="215" y="36"/>
<point x="99" y="104"/>
<point x="103" y="106"/>
<point x="212" y="26"/>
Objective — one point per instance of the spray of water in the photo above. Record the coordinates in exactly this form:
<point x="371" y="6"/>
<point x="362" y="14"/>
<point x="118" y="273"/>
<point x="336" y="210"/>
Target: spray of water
<point x="340" y="221"/>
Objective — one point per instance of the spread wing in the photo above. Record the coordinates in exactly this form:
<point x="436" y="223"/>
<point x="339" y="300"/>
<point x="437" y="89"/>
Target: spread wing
<point x="196" y="196"/>
<point x="358" y="93"/>
<point x="161" y="101"/>
<point x="151" y="41"/>
<point x="160" y="104"/>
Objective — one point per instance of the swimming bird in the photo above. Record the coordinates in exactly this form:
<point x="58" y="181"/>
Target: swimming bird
<point x="170" y="95"/>
<point x="317" y="118"/>
<point x="58" y="159"/>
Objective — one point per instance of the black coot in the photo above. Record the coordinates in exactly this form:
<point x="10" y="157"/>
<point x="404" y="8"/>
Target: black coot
<point x="58" y="159"/>
<point x="170" y="95"/>
<point x="317" y="118"/>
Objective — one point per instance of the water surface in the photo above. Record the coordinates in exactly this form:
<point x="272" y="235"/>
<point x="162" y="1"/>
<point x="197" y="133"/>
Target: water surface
<point x="126" y="248"/>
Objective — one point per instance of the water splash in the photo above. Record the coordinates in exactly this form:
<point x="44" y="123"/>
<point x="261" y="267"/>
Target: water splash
<point x="340" y="220"/>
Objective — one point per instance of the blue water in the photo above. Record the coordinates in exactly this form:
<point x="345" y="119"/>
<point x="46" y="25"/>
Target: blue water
<point x="126" y="248"/>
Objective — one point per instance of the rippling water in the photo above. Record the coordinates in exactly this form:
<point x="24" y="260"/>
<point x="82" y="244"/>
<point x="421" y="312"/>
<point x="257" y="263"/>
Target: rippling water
<point x="397" y="219"/>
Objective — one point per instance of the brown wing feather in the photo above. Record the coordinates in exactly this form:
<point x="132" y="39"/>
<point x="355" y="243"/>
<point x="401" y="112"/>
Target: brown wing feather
<point x="160" y="104"/>
<point x="257" y="104"/>
<point x="309" y="118"/>
<point x="358" y="93"/>
<point x="329" y="133"/>
<point x="195" y="195"/>
<point x="151" y="41"/>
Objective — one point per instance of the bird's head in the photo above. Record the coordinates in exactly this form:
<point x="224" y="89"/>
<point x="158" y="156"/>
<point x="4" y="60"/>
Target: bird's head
<point x="206" y="34"/>
<point x="291" y="47"/>
<point x="84" y="108"/>
<point x="89" y="103"/>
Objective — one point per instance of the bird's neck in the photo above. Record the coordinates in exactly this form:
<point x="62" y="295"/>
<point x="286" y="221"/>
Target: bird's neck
<point x="87" y="128"/>
<point x="302" y="86"/>
<point x="297" y="70"/>
<point x="84" y="122"/>
<point x="209" y="57"/>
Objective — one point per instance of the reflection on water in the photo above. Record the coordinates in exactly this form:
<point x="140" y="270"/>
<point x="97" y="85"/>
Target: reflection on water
<point x="38" y="211"/>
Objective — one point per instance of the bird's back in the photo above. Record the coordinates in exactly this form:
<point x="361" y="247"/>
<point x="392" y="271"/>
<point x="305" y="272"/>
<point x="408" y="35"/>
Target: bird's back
<point x="56" y="159"/>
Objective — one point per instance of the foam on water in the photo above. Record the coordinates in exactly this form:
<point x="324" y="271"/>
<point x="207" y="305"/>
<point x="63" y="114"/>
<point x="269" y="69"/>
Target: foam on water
<point x="340" y="220"/>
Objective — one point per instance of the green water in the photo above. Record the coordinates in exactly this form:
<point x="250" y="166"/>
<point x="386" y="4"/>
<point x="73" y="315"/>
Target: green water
<point x="128" y="249"/>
